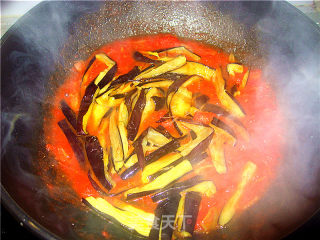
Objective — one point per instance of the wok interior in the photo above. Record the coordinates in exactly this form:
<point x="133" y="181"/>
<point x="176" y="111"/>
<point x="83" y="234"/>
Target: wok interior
<point x="259" y="36"/>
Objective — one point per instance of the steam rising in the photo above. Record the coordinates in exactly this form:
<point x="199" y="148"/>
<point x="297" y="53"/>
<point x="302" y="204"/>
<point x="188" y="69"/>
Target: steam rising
<point x="40" y="46"/>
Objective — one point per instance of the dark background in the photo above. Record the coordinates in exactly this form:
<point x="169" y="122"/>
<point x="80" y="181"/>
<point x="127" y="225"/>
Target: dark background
<point x="11" y="229"/>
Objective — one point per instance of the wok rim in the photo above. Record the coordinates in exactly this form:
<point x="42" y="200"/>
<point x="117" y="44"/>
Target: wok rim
<point x="32" y="225"/>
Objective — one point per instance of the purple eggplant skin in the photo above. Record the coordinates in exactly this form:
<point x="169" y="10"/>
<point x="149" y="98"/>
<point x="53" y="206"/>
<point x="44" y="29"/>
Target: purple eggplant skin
<point x="125" y="77"/>
<point x="201" y="100"/>
<point x="191" y="208"/>
<point x="163" y="131"/>
<point x="139" y="151"/>
<point x="130" y="172"/>
<point x="94" y="184"/>
<point x="154" y="233"/>
<point x="159" y="102"/>
<point x="108" y="77"/>
<point x="89" y="65"/>
<point x="177" y="127"/>
<point x="95" y="157"/>
<point x="177" y="83"/>
<point x="208" y="107"/>
<point x="193" y="160"/>
<point x="193" y="134"/>
<point x="135" y="118"/>
<point x="162" y="151"/>
<point x="75" y="143"/>
<point x="176" y="189"/>
<point x="236" y="101"/>
<point x="169" y="210"/>
<point x="139" y="194"/>
<point x="84" y="106"/>
<point x="141" y="58"/>
<point x="68" y="113"/>
<point x="220" y="124"/>
<point x="201" y="147"/>
<point x="128" y="100"/>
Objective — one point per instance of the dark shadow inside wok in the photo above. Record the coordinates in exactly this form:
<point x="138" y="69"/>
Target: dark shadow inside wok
<point x="38" y="52"/>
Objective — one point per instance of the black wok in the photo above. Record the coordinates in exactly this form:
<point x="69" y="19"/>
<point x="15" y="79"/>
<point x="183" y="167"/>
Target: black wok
<point x="38" y="51"/>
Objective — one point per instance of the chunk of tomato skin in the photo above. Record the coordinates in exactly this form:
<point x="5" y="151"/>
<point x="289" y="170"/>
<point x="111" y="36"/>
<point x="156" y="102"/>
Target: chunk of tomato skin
<point x="203" y="117"/>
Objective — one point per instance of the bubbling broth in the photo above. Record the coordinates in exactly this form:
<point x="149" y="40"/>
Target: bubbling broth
<point x="156" y="127"/>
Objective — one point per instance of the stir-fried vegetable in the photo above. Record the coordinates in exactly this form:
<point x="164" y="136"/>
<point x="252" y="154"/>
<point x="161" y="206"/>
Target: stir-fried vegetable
<point x="150" y="120"/>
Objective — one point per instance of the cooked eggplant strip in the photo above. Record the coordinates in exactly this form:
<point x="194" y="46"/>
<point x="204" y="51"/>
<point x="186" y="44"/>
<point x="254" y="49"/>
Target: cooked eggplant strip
<point x="84" y="109"/>
<point x="164" y="179"/>
<point x="157" y="138"/>
<point x="200" y="101"/>
<point x="154" y="233"/>
<point x="164" y="131"/>
<point x="194" y="68"/>
<point x="216" y="151"/>
<point x="130" y="172"/>
<point x="202" y="134"/>
<point x="125" y="77"/>
<point x="220" y="124"/>
<point x="181" y="102"/>
<point x="149" y="106"/>
<point x="116" y="143"/>
<point x="68" y="113"/>
<point x="201" y="147"/>
<point x="192" y="159"/>
<point x="159" y="102"/>
<point x="141" y="58"/>
<point x="154" y="156"/>
<point x="244" y="80"/>
<point x="75" y="143"/>
<point x="156" y="84"/>
<point x="170" y="210"/>
<point x="89" y="65"/>
<point x="175" y="188"/>
<point x="226" y="100"/>
<point x="95" y="157"/>
<point x="234" y="68"/>
<point x="230" y="207"/>
<point x="135" y="118"/>
<point x="193" y="135"/>
<point x="94" y="184"/>
<point x="140" y="154"/>
<point x="131" y="160"/>
<point x="163" y="68"/>
<point x="162" y="151"/>
<point x="128" y="219"/>
<point x="176" y="51"/>
<point x="215" y="109"/>
<point x="191" y="208"/>
<point x="158" y="165"/>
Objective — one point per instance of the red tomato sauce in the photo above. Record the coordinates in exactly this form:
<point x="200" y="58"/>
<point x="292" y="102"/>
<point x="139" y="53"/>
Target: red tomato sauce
<point x="263" y="122"/>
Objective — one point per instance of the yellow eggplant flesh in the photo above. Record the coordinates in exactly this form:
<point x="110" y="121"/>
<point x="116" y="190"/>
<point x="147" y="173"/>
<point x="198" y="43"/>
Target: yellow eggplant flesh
<point x="205" y="188"/>
<point x="156" y="138"/>
<point x="229" y="208"/>
<point x="129" y="219"/>
<point x="158" y="165"/>
<point x="172" y="52"/>
<point x="133" y="159"/>
<point x="164" y="179"/>
<point x="181" y="102"/>
<point x="234" y="68"/>
<point x="116" y="144"/>
<point x="163" y="68"/>
<point x="157" y="84"/>
<point x="194" y="68"/>
<point x="225" y="100"/>
<point x="88" y="113"/>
